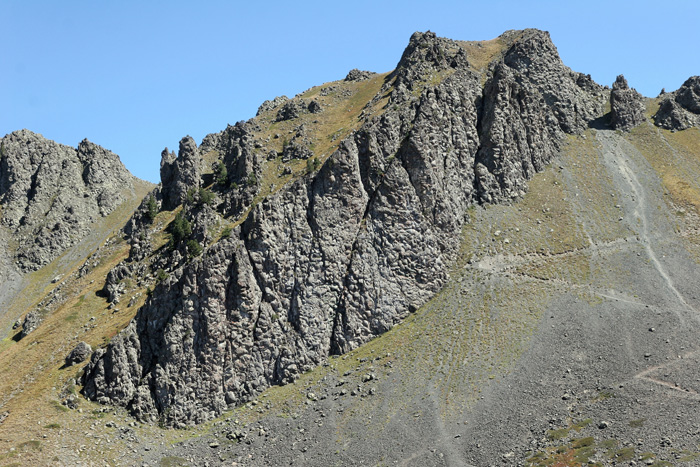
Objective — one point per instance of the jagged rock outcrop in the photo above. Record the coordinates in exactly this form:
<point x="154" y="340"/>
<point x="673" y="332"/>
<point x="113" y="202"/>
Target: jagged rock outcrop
<point x="31" y="321"/>
<point x="680" y="109"/>
<point x="294" y="108"/>
<point x="626" y="106"/>
<point x="272" y="104"/>
<point x="358" y="75"/>
<point x="343" y="254"/>
<point x="531" y="100"/>
<point x="51" y="193"/>
<point x="180" y="174"/>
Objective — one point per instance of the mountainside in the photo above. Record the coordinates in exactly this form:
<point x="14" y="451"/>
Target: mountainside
<point x="50" y="193"/>
<point x="343" y="253"/>
<point x="518" y="243"/>
<point x="55" y="203"/>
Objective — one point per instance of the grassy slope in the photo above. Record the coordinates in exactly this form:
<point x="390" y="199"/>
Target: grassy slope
<point x="30" y="376"/>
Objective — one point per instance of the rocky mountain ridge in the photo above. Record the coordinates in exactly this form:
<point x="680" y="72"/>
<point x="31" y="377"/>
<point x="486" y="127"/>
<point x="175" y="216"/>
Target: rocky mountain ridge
<point x="341" y="254"/>
<point x="50" y="193"/>
<point x="539" y="254"/>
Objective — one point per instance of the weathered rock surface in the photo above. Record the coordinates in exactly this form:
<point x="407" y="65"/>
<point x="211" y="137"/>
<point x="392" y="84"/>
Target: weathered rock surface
<point x="358" y="75"/>
<point x="343" y="254"/>
<point x="79" y="354"/>
<point x="180" y="174"/>
<point x="50" y="193"/>
<point x="294" y="108"/>
<point x="626" y="106"/>
<point x="529" y="103"/>
<point x="30" y="323"/>
<point x="272" y="104"/>
<point x="680" y="109"/>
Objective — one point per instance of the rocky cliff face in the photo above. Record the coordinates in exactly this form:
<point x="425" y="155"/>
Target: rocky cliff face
<point x="340" y="254"/>
<point x="50" y="193"/>
<point x="680" y="109"/>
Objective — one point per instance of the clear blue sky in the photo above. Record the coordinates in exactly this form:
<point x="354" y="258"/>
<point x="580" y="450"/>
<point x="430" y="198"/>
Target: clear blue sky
<point x="136" y="76"/>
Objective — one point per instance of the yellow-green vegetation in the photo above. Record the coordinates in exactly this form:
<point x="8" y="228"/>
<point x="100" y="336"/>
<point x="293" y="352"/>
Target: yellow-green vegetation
<point x="342" y="103"/>
<point x="578" y="452"/>
<point x="37" y="285"/>
<point x="675" y="156"/>
<point x="209" y="161"/>
<point x="593" y="195"/>
<point x="32" y="380"/>
<point x="481" y="53"/>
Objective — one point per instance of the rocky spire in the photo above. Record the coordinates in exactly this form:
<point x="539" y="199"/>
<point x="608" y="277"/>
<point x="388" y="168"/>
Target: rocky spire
<point x="627" y="106"/>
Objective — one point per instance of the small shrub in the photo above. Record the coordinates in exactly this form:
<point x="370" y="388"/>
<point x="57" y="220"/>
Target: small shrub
<point x="206" y="197"/>
<point x="312" y="164"/>
<point x="226" y="233"/>
<point x="190" y="196"/>
<point x="194" y="248"/>
<point x="252" y="179"/>
<point x="221" y="174"/>
<point x="161" y="275"/>
<point x="151" y="208"/>
<point x="181" y="229"/>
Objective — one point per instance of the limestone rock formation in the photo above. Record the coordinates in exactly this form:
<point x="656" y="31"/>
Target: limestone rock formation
<point x="50" y="193"/>
<point x="180" y="174"/>
<point x="272" y="104"/>
<point x="342" y="254"/>
<point x="531" y="100"/>
<point x="680" y="109"/>
<point x="627" y="106"/>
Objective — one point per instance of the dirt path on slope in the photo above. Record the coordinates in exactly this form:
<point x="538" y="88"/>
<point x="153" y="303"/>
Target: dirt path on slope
<point x="637" y="208"/>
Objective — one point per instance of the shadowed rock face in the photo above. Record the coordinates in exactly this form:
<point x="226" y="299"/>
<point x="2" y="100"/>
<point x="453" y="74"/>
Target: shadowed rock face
<point x="50" y="193"/>
<point x="343" y="254"/>
<point x="627" y="106"/>
<point x="680" y="109"/>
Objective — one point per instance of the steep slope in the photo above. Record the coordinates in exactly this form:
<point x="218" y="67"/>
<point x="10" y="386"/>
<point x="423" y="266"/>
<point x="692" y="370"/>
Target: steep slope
<point x="57" y="205"/>
<point x="566" y="335"/>
<point x="60" y="209"/>
<point x="553" y="325"/>
<point x="342" y="254"/>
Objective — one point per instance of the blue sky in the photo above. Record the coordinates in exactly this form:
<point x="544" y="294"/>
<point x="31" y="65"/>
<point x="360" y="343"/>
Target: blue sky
<point x="136" y="76"/>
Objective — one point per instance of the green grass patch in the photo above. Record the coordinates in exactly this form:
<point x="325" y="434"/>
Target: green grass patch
<point x="173" y="461"/>
<point x="638" y="423"/>
<point x="582" y="442"/>
<point x="625" y="454"/>
<point x="581" y="424"/>
<point x="557" y="434"/>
